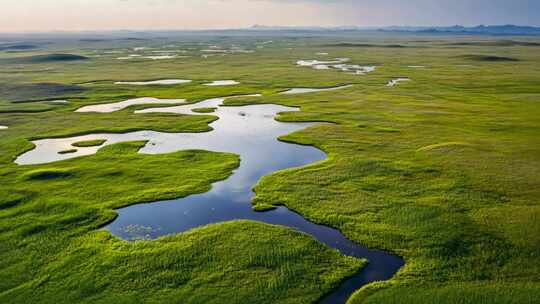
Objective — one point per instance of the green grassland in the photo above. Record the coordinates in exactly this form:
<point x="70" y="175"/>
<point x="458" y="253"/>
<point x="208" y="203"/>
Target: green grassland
<point x="443" y="170"/>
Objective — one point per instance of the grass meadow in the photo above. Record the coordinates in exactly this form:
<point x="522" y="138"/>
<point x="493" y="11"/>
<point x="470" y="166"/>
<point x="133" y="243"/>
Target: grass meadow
<point x="443" y="170"/>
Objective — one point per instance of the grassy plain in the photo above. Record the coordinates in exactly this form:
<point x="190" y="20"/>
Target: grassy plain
<point x="442" y="170"/>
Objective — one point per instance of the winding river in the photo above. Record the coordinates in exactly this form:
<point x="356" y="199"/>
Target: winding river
<point x="251" y="132"/>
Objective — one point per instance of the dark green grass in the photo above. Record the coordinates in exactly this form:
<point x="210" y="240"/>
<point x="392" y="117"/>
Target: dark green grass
<point x="496" y="43"/>
<point x="28" y="92"/>
<point x="366" y="45"/>
<point x="18" y="47"/>
<point x="89" y="143"/>
<point x="44" y="59"/>
<point x="232" y="262"/>
<point x="478" y="293"/>
<point x="204" y="110"/>
<point x="68" y="151"/>
<point x="489" y="58"/>
<point x="7" y="107"/>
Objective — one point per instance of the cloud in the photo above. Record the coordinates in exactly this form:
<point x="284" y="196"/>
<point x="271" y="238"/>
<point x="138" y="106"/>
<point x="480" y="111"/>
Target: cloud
<point x="191" y="14"/>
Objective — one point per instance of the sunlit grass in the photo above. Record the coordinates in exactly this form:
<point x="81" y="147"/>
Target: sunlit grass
<point x="442" y="170"/>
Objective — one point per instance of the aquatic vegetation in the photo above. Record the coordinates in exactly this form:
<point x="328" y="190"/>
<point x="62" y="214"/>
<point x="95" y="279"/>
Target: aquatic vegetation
<point x="263" y="207"/>
<point x="204" y="110"/>
<point x="89" y="143"/>
<point x="68" y="151"/>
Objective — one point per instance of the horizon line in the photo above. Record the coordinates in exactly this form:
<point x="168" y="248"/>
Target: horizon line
<point x="259" y="27"/>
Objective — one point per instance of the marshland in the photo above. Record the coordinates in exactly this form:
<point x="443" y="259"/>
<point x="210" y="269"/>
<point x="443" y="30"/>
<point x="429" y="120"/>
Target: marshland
<point x="234" y="170"/>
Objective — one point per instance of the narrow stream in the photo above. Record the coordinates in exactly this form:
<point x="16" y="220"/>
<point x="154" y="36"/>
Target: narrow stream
<point x="251" y="132"/>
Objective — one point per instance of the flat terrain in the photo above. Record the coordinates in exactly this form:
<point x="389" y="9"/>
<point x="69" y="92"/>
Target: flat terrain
<point x="443" y="170"/>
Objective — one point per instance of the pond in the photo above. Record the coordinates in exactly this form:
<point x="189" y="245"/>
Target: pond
<point x="396" y="81"/>
<point x="313" y="90"/>
<point x="117" y="106"/>
<point x="338" y="64"/>
<point x="222" y="83"/>
<point x="154" y="82"/>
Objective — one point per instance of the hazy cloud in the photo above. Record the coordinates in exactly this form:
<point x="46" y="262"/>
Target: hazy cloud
<point x="20" y="15"/>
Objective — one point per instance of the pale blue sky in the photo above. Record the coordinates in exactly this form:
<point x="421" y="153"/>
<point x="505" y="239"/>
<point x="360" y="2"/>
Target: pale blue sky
<point x="45" y="15"/>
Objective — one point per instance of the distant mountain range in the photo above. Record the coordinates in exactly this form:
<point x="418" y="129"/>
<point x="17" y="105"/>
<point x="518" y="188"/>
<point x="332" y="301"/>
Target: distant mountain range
<point x="98" y="36"/>
<point x="508" y="29"/>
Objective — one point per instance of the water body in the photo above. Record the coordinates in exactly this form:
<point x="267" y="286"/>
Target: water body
<point x="129" y="57"/>
<point x="230" y="51"/>
<point x="321" y="67"/>
<point x="160" y="57"/>
<point x="395" y="82"/>
<point x="338" y="64"/>
<point x="313" y="90"/>
<point x="222" y="83"/>
<point x="58" y="101"/>
<point x="169" y="52"/>
<point x="156" y="57"/>
<point x="141" y="48"/>
<point x="355" y="68"/>
<point x="314" y="62"/>
<point x="154" y="82"/>
<point x="117" y="106"/>
<point x="251" y="132"/>
<point x="214" y="51"/>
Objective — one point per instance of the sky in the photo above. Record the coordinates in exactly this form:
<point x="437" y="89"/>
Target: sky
<point x="75" y="15"/>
